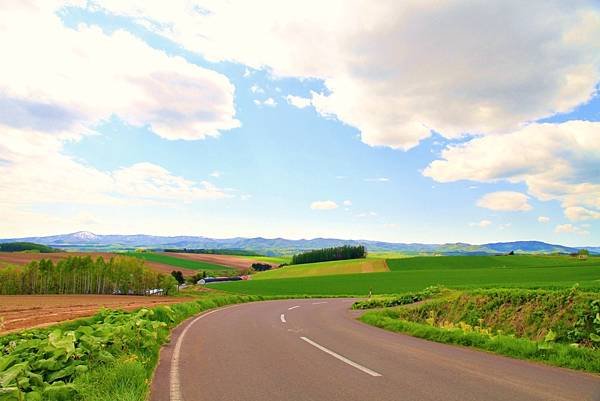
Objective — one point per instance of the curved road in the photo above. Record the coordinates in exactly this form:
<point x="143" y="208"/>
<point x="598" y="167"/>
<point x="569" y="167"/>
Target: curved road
<point x="315" y="350"/>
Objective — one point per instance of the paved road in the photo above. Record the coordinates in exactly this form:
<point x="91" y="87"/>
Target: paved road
<point x="302" y="350"/>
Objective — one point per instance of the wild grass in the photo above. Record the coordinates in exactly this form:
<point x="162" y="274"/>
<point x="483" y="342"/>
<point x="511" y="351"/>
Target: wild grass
<point x="126" y="379"/>
<point x="559" y="354"/>
<point x="557" y="327"/>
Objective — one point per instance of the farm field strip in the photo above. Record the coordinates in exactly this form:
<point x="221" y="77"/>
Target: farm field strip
<point x="21" y="259"/>
<point x="178" y="261"/>
<point x="229" y="261"/>
<point x="28" y="311"/>
<point x="479" y="262"/>
<point x="587" y="276"/>
<point x="336" y="267"/>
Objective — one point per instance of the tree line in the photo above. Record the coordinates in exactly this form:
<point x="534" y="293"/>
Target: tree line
<point x="328" y="254"/>
<point x="83" y="275"/>
<point x="228" y="251"/>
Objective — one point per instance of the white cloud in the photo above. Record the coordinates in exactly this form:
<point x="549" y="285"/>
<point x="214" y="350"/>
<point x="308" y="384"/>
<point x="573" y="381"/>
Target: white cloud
<point x="256" y="89"/>
<point x="378" y="179"/>
<point x="34" y="170"/>
<point x="367" y="214"/>
<point x="298" y="101"/>
<point x="543" y="219"/>
<point x="267" y="102"/>
<point x="270" y="102"/>
<point x="149" y="181"/>
<point x="570" y="229"/>
<point x="58" y="83"/>
<point x="505" y="201"/>
<point x="86" y="219"/>
<point x="397" y="70"/>
<point x="324" y="205"/>
<point x="556" y="162"/>
<point x="57" y="79"/>
<point x="347" y="203"/>
<point x="216" y="174"/>
<point x="578" y="213"/>
<point x="482" y="224"/>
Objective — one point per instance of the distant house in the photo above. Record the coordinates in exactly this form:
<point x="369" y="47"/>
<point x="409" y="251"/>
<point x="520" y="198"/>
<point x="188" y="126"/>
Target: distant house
<point x="583" y="254"/>
<point x="207" y="280"/>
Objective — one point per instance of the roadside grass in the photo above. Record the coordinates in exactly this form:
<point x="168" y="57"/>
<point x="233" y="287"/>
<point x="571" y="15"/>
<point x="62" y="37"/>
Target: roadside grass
<point x="481" y="262"/>
<point x="179" y="262"/>
<point x="559" y="327"/>
<point x="124" y="380"/>
<point x="336" y="267"/>
<point x="405" y="280"/>
<point x="559" y="354"/>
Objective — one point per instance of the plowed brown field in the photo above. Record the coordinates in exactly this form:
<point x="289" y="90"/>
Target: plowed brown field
<point x="28" y="311"/>
<point x="226" y="260"/>
<point x="17" y="258"/>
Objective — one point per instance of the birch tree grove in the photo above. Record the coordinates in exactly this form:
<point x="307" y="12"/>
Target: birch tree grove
<point x="80" y="275"/>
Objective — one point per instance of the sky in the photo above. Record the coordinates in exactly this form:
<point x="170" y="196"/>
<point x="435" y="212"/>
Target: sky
<point x="414" y="121"/>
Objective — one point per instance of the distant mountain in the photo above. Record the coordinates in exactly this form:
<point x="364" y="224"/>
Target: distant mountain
<point x="85" y="240"/>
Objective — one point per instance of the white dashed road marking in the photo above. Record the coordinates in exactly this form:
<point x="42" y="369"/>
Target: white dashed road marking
<point x="342" y="358"/>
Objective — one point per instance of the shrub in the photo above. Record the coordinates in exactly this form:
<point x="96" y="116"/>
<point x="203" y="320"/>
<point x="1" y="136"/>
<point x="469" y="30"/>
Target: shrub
<point x="261" y="267"/>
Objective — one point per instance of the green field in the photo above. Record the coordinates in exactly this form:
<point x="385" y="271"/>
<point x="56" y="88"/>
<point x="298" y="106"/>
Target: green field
<point x="325" y="269"/>
<point x="477" y="262"/>
<point x="541" y="272"/>
<point x="178" y="262"/>
<point x="274" y="260"/>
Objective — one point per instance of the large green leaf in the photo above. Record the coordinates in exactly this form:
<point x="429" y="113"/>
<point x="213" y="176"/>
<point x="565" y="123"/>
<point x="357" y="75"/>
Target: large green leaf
<point x="7" y="361"/>
<point x="10" y="375"/>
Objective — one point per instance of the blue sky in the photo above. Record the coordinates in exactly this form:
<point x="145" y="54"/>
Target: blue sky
<point x="374" y="154"/>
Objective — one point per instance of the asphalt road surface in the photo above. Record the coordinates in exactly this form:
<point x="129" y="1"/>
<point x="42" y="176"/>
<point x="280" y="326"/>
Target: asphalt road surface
<point x="316" y="350"/>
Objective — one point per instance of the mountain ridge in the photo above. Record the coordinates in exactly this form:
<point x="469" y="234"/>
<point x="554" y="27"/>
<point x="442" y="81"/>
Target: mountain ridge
<point x="86" y="240"/>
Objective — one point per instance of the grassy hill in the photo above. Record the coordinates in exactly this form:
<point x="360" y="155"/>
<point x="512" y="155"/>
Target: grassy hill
<point x="325" y="269"/>
<point x="539" y="273"/>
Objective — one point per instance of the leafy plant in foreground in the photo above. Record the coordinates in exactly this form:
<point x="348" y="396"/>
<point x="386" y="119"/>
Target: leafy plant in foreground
<point x="40" y="365"/>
